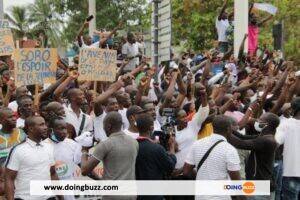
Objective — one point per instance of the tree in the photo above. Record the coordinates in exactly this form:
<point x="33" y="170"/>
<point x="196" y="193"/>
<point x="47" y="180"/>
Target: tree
<point x="44" y="19"/>
<point x="18" y="18"/>
<point x="109" y="13"/>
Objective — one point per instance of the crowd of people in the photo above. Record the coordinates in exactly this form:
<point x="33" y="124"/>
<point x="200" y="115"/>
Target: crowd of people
<point x="206" y="116"/>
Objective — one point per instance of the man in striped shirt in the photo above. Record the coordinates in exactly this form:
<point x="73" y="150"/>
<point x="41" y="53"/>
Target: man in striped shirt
<point x="222" y="163"/>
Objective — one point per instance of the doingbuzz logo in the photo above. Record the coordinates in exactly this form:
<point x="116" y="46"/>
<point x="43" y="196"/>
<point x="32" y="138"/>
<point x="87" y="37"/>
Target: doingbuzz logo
<point x="248" y="187"/>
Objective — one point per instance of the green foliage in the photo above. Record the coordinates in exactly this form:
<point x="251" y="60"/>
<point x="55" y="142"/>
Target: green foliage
<point x="109" y="13"/>
<point x="18" y="18"/>
<point x="194" y="23"/>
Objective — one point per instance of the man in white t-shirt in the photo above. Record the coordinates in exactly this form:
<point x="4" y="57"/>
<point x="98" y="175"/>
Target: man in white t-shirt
<point x="186" y="133"/>
<point x="67" y="153"/>
<point x="222" y="163"/>
<point x="104" y="104"/>
<point x="288" y="134"/>
<point x="222" y="24"/>
<point x="32" y="159"/>
<point x="130" y="51"/>
<point x="74" y="115"/>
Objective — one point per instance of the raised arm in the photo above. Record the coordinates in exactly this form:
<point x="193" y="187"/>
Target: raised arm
<point x="73" y="75"/>
<point x="105" y="95"/>
<point x="222" y="10"/>
<point x="103" y="40"/>
<point x="276" y="90"/>
<point x="241" y="50"/>
<point x="265" y="20"/>
<point x="203" y="110"/>
<point x="50" y="90"/>
<point x="80" y="33"/>
<point x="194" y="69"/>
<point x="182" y="90"/>
<point x="282" y="98"/>
<point x="170" y="91"/>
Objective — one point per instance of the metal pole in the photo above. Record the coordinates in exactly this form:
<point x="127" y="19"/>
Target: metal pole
<point x="92" y="11"/>
<point x="1" y="10"/>
<point x="155" y="42"/>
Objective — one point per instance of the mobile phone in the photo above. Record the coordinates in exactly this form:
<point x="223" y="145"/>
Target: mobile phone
<point x="89" y="18"/>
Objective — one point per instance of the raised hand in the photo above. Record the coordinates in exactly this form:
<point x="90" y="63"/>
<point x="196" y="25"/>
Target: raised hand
<point x="73" y="74"/>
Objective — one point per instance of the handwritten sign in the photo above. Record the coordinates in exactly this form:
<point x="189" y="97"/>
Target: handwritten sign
<point x="35" y="66"/>
<point x="6" y="42"/>
<point x="97" y="64"/>
<point x="4" y="24"/>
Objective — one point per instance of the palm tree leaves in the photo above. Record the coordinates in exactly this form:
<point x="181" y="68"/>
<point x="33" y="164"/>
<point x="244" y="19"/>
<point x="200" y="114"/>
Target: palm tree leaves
<point x="40" y="17"/>
<point x="18" y="18"/>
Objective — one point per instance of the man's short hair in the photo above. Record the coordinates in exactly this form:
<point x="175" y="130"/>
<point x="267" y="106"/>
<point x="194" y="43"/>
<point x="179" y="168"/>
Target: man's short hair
<point x="133" y="110"/>
<point x="4" y="110"/>
<point x="221" y="123"/>
<point x="144" y="122"/>
<point x="273" y="120"/>
<point x="29" y="121"/>
<point x="22" y="98"/>
<point x="115" y="119"/>
<point x="296" y="105"/>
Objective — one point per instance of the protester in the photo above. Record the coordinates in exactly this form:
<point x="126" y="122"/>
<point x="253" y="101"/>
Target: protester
<point x="67" y="153"/>
<point x="253" y="31"/>
<point x="132" y="113"/>
<point x="213" y="157"/>
<point x="20" y="92"/>
<point x="152" y="162"/>
<point x="118" y="153"/>
<point x="222" y="25"/>
<point x="261" y="159"/>
<point x="9" y="137"/>
<point x="288" y="135"/>
<point x="25" y="110"/>
<point x="32" y="159"/>
<point x="74" y="115"/>
<point x="130" y="51"/>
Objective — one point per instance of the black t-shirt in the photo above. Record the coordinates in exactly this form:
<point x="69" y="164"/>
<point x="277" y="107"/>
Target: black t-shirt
<point x="259" y="165"/>
<point x="153" y="162"/>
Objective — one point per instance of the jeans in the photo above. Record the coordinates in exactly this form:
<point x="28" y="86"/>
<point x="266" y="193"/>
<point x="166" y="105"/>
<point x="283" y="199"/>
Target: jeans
<point x="291" y="188"/>
<point x="277" y="173"/>
<point x="259" y="197"/>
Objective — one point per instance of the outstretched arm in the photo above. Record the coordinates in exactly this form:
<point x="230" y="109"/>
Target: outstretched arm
<point x="265" y="20"/>
<point x="102" y="41"/>
<point x="80" y="34"/>
<point x="222" y="10"/>
<point x="105" y="95"/>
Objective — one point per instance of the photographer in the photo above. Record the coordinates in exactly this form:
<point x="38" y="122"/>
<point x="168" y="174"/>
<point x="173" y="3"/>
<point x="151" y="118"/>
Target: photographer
<point x="152" y="162"/>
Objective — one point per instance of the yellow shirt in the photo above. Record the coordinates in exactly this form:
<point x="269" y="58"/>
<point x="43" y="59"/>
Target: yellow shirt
<point x="207" y="130"/>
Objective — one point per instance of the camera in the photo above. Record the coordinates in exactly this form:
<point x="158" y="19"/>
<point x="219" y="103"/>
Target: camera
<point x="168" y="128"/>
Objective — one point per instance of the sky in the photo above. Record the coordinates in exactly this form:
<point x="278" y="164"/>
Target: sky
<point x="9" y="3"/>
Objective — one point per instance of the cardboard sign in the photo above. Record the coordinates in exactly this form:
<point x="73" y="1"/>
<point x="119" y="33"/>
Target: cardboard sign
<point x="4" y="24"/>
<point x="28" y="43"/>
<point x="35" y="66"/>
<point x="97" y="64"/>
<point x="6" y="42"/>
